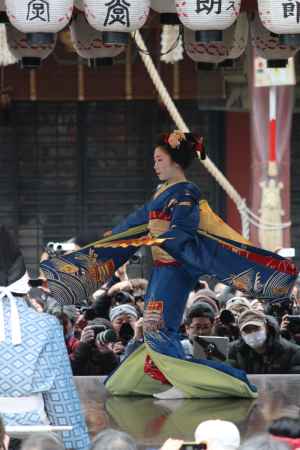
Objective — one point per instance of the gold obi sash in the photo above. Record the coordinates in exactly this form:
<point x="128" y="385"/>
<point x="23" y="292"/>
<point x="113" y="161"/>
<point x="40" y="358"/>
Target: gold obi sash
<point x="159" y="223"/>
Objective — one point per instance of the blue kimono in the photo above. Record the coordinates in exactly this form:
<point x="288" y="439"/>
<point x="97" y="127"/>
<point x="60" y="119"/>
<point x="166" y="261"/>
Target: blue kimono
<point x="40" y="366"/>
<point x="182" y="252"/>
<point x="173" y="207"/>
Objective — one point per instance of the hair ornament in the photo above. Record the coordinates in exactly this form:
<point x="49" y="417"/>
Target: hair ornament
<point x="175" y="138"/>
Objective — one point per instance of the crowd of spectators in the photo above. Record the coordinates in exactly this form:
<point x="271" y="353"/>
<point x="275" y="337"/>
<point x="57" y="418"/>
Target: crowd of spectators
<point x="263" y="336"/>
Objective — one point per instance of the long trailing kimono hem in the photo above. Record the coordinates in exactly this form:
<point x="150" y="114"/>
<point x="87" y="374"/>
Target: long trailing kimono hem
<point x="197" y="379"/>
<point x="187" y="240"/>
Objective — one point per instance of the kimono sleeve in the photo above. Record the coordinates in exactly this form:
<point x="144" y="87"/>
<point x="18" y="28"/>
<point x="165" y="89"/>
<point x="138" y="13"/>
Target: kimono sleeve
<point x="184" y="243"/>
<point x="62" y="402"/>
<point x="138" y="217"/>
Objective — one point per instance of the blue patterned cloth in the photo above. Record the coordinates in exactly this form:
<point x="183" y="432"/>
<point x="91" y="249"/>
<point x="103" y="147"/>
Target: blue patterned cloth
<point x="40" y="365"/>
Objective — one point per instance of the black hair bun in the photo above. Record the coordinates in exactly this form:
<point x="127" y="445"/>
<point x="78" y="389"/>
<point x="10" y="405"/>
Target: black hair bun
<point x="183" y="148"/>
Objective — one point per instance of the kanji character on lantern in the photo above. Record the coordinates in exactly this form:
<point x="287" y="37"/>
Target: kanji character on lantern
<point x="291" y="9"/>
<point x="231" y="6"/>
<point x="117" y="11"/>
<point x="209" y="6"/>
<point x="38" y="9"/>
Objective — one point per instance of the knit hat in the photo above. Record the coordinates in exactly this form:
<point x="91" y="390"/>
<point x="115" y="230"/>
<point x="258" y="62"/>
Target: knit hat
<point x="100" y="322"/>
<point x="122" y="309"/>
<point x="13" y="280"/>
<point x="208" y="300"/>
<point x="201" y="309"/>
<point x="238" y="302"/>
<point x="251" y="317"/>
<point x="218" y="435"/>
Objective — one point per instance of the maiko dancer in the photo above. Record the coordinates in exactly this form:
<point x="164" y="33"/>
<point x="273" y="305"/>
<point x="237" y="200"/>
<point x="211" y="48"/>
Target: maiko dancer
<point x="187" y="241"/>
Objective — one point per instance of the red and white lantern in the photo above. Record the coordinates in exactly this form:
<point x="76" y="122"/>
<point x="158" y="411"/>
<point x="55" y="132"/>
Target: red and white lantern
<point x="232" y="47"/>
<point x="27" y="54"/>
<point x="88" y="43"/>
<point x="280" y="17"/>
<point x="208" y="17"/>
<point x="117" y="17"/>
<point x="39" y="16"/>
<point x="268" y="45"/>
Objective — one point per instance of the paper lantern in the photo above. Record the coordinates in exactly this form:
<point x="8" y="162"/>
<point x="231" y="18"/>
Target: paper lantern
<point x="232" y="47"/>
<point x="167" y="11"/>
<point x="281" y="17"/>
<point x="28" y="55"/>
<point x="268" y="45"/>
<point x="117" y="18"/>
<point x="88" y="43"/>
<point x="39" y="16"/>
<point x="208" y="17"/>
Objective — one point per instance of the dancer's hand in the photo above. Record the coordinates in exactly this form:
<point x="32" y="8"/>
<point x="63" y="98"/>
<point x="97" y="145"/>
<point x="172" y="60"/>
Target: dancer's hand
<point x="107" y="233"/>
<point x="138" y="330"/>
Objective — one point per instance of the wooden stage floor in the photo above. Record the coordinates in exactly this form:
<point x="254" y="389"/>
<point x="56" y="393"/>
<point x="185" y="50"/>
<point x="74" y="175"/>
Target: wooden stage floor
<point x="152" y="421"/>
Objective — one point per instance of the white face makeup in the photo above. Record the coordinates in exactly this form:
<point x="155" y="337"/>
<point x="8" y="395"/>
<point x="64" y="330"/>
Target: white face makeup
<point x="165" y="168"/>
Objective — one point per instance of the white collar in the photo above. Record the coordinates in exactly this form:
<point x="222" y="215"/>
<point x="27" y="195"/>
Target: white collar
<point x="20" y="286"/>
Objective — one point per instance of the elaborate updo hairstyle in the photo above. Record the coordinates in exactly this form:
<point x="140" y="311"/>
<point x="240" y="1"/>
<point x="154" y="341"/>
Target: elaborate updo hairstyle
<point x="183" y="148"/>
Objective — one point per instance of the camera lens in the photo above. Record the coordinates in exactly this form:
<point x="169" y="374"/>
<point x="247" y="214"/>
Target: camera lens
<point x="107" y="336"/>
<point x="126" y="333"/>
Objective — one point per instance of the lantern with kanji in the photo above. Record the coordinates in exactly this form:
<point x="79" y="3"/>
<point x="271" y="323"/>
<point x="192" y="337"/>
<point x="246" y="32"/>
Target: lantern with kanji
<point x="209" y="54"/>
<point x="116" y="18"/>
<point x="282" y="18"/>
<point x="208" y="18"/>
<point x="268" y="45"/>
<point x="88" y="43"/>
<point x="29" y="55"/>
<point x="167" y="11"/>
<point x="39" y="19"/>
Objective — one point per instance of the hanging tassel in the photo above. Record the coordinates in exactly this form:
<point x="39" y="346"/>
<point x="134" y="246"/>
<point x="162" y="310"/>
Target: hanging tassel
<point x="6" y="57"/>
<point x="171" y="44"/>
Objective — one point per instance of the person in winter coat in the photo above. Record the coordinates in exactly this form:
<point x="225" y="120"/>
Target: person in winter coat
<point x="261" y="349"/>
<point x="93" y="356"/>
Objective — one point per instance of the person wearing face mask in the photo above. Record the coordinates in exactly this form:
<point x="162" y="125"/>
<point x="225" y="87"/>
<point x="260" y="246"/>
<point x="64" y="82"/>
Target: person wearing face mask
<point x="260" y="348"/>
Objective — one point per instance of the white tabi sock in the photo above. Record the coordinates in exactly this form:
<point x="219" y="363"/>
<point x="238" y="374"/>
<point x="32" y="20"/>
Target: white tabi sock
<point x="171" y="394"/>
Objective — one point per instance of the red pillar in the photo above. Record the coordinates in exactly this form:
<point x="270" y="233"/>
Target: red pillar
<point x="237" y="161"/>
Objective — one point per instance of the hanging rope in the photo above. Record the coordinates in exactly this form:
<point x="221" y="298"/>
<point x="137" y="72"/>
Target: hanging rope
<point x="247" y="216"/>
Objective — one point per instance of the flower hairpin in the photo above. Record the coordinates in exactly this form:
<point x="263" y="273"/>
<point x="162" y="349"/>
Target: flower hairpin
<point x="174" y="139"/>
